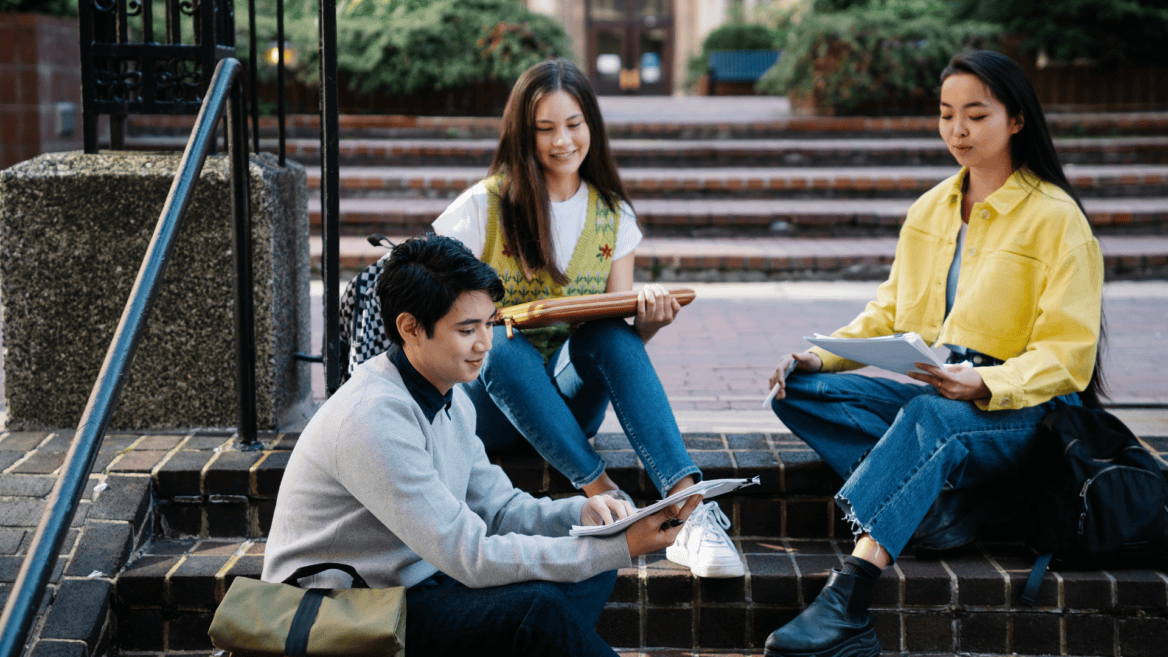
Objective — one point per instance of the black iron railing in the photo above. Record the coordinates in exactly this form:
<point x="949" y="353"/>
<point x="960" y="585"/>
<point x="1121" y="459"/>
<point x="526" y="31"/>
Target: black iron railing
<point x="224" y="90"/>
<point x="122" y="77"/>
<point x="330" y="189"/>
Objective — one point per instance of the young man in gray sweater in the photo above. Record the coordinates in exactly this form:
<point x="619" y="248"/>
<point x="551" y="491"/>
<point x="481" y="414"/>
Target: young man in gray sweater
<point x="390" y="478"/>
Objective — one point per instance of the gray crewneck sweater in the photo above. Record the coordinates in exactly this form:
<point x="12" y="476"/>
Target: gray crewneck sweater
<point x="372" y="483"/>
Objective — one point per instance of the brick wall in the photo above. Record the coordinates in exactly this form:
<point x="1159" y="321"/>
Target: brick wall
<point x="40" y="66"/>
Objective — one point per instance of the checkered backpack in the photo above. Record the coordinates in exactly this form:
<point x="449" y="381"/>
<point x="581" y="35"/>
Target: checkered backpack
<point x="362" y="331"/>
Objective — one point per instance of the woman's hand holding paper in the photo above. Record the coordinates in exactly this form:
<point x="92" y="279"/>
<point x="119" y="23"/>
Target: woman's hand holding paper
<point x="961" y="382"/>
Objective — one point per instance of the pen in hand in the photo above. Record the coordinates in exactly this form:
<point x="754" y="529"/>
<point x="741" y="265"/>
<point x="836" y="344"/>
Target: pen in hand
<point x="766" y="403"/>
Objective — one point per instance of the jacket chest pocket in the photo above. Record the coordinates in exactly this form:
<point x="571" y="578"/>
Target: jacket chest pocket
<point x="917" y="253"/>
<point x="1001" y="299"/>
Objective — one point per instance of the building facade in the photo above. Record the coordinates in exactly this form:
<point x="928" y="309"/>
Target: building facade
<point x="641" y="46"/>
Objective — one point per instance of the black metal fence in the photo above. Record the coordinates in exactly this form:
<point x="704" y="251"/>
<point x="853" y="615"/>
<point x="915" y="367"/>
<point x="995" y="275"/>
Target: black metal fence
<point x="128" y="69"/>
<point x="224" y="90"/>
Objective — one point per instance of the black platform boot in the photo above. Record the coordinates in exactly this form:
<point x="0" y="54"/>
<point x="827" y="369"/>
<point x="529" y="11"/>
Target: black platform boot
<point x="837" y="623"/>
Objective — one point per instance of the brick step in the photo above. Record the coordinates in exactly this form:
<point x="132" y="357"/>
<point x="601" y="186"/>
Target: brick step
<point x="231" y="493"/>
<point x="966" y="602"/>
<point x="1091" y="181"/>
<point x="168" y="520"/>
<point x="1069" y="124"/>
<point x="736" y="217"/>
<point x="702" y="153"/>
<point x="791" y="258"/>
<point x="788" y="530"/>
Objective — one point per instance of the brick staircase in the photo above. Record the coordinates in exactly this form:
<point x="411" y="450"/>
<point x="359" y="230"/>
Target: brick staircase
<point x="172" y="519"/>
<point x="787" y="177"/>
<point x="182" y="515"/>
<point x="741" y="195"/>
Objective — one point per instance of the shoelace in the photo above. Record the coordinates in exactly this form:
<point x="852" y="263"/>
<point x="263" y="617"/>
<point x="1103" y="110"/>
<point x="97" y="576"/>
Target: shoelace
<point x="711" y="514"/>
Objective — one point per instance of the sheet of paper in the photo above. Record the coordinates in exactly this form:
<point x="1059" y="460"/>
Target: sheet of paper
<point x="895" y="353"/>
<point x="707" y="489"/>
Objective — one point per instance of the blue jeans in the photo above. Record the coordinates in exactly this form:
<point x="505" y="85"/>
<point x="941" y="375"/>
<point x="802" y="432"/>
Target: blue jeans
<point x="897" y="445"/>
<point x="444" y="617"/>
<point x="559" y="405"/>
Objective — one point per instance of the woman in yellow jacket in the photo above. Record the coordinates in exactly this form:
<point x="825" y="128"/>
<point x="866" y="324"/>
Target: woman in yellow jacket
<point x="998" y="264"/>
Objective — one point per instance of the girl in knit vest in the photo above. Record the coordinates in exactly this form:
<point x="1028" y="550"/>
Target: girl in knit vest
<point x="554" y="220"/>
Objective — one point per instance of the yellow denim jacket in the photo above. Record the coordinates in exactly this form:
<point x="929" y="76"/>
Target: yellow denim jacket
<point x="1029" y="292"/>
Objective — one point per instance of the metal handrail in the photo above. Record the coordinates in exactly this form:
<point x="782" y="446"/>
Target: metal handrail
<point x="330" y="205"/>
<point x="38" y="565"/>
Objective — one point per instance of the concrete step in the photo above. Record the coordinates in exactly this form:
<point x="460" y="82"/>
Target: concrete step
<point x="722" y="126"/>
<point x="741" y="217"/>
<point x="1093" y="181"/>
<point x="790" y="258"/>
<point x="675" y="153"/>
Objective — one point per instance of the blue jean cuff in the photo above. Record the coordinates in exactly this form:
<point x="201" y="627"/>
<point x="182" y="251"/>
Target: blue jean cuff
<point x="858" y="527"/>
<point x="669" y="483"/>
<point x="592" y="476"/>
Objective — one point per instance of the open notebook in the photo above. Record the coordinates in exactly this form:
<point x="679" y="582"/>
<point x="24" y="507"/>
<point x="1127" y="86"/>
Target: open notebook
<point x="706" y="489"/>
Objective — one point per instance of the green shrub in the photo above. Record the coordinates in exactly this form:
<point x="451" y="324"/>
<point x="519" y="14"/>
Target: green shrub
<point x="1112" y="33"/>
<point x="884" y="57"/>
<point x="414" y="46"/>
<point x="732" y="36"/>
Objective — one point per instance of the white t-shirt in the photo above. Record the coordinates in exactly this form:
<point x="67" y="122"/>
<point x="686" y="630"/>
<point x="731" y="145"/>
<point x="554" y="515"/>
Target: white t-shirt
<point x="466" y="220"/>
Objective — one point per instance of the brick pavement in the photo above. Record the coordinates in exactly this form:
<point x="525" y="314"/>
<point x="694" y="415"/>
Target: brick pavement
<point x="719" y="352"/>
<point x="716" y="358"/>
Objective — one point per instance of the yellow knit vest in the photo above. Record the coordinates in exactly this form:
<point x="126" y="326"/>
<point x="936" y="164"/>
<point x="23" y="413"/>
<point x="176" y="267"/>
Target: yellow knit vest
<point x="587" y="272"/>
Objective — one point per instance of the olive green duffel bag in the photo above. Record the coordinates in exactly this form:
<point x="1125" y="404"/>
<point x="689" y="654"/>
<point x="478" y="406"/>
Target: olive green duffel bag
<point x="265" y="619"/>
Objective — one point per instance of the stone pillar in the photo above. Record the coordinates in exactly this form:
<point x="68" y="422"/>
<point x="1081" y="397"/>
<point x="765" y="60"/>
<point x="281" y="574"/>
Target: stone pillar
<point x="73" y="233"/>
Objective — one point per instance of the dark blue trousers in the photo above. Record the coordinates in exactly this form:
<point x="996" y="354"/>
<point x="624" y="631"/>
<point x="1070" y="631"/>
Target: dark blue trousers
<point x="443" y="617"/>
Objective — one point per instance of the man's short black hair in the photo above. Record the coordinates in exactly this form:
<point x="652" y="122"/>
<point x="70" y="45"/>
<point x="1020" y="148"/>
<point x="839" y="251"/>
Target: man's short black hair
<point x="425" y="275"/>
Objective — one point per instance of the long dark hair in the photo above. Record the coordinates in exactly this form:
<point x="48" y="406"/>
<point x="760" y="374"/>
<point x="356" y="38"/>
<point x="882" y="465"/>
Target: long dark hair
<point x="1032" y="148"/>
<point x="525" y="206"/>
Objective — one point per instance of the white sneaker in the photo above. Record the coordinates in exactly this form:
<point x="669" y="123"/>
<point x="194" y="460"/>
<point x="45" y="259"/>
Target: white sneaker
<point x="704" y="546"/>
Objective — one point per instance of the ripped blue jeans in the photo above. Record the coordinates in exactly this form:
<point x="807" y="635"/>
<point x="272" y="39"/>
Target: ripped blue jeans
<point x="916" y="443"/>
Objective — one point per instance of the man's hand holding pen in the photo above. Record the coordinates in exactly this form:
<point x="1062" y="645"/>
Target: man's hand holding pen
<point x="659" y="530"/>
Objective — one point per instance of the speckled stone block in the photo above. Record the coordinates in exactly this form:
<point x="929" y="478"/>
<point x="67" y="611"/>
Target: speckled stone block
<point x="74" y="229"/>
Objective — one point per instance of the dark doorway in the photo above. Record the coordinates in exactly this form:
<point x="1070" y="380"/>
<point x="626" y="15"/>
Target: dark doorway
<point x="630" y="46"/>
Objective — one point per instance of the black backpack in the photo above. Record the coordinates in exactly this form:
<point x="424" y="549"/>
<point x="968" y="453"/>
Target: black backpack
<point x="1099" y="496"/>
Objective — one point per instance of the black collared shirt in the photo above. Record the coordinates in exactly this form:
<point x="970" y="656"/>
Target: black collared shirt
<point x="420" y="387"/>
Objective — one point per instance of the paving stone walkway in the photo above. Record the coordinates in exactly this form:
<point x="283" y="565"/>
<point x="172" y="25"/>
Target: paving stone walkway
<point x="715" y="360"/>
